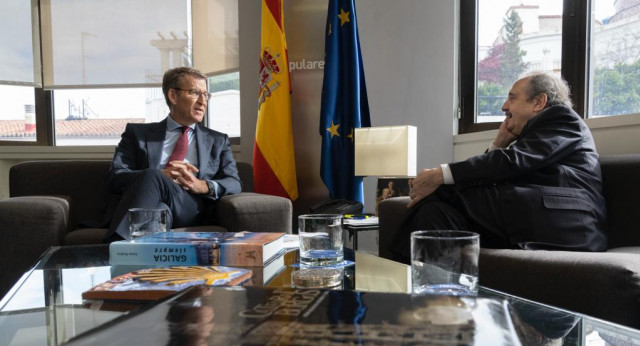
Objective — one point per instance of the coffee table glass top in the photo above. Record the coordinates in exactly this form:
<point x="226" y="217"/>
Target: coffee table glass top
<point x="45" y="305"/>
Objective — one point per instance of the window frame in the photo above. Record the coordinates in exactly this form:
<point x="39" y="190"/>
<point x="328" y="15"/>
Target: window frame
<point x="574" y="65"/>
<point x="44" y="97"/>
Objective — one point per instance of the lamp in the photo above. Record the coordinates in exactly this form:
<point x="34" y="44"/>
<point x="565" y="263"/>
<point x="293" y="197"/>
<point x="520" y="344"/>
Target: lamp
<point x="386" y="151"/>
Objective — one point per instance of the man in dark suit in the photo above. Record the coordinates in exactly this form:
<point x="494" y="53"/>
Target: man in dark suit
<point x="176" y="164"/>
<point x="538" y="186"/>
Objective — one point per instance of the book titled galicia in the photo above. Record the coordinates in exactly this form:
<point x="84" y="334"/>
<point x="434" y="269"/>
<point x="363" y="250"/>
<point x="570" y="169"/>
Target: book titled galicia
<point x="198" y="248"/>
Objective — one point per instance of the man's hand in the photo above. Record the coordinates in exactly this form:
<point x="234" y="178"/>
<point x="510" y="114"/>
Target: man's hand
<point x="183" y="174"/>
<point x="426" y="183"/>
<point x="504" y="136"/>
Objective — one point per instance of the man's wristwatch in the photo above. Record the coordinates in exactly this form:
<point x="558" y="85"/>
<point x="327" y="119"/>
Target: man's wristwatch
<point x="212" y="187"/>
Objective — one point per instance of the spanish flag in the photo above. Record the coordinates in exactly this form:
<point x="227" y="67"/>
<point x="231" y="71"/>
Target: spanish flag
<point x="274" y="166"/>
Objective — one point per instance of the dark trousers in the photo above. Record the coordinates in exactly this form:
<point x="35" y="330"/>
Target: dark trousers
<point x="472" y="209"/>
<point x="152" y="189"/>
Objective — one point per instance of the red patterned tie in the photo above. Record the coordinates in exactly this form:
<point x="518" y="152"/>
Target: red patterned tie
<point x="182" y="146"/>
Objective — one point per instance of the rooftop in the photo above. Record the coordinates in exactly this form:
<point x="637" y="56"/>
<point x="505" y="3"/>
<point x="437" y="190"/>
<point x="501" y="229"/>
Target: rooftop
<point x="71" y="128"/>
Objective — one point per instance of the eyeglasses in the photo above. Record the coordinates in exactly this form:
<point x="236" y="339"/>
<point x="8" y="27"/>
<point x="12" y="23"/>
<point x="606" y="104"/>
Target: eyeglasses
<point x="195" y="94"/>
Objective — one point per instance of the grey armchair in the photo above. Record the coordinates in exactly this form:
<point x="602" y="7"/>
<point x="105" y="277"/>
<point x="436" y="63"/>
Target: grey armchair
<point x="52" y="201"/>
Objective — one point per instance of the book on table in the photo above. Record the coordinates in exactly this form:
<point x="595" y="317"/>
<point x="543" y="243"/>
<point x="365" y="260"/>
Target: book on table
<point x="263" y="316"/>
<point x="261" y="275"/>
<point x="157" y="283"/>
<point x="360" y="222"/>
<point x="198" y="248"/>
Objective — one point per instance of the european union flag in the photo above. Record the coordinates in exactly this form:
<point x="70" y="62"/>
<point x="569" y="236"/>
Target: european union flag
<point x="344" y="101"/>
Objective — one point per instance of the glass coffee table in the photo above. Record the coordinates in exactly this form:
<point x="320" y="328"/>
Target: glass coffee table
<point x="45" y="306"/>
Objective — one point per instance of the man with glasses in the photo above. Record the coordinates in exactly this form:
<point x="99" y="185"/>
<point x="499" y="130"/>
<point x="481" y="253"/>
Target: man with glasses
<point x="176" y="164"/>
<point x="538" y="186"/>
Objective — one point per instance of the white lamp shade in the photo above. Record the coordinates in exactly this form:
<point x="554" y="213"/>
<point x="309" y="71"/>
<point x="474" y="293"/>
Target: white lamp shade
<point x="387" y="151"/>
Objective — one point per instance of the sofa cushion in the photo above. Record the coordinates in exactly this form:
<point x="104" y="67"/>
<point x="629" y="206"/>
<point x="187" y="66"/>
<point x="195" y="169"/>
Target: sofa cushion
<point x="200" y="229"/>
<point x="83" y="181"/>
<point x="95" y="235"/>
<point x="601" y="284"/>
<point x="85" y="236"/>
<point x="254" y="212"/>
<point x="622" y="194"/>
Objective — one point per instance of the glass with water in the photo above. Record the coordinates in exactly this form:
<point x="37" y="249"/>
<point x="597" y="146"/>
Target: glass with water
<point x="321" y="242"/>
<point x="445" y="262"/>
<point x="143" y="221"/>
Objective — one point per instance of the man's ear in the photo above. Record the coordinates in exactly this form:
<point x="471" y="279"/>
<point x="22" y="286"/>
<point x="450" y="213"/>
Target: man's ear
<point x="540" y="102"/>
<point x="173" y="96"/>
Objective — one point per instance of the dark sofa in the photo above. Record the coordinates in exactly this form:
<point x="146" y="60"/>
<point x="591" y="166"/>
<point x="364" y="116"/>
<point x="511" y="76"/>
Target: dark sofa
<point x="605" y="285"/>
<point x="52" y="201"/>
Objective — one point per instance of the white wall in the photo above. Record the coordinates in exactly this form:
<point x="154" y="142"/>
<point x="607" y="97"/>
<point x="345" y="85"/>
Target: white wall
<point x="409" y="55"/>
<point x="410" y="58"/>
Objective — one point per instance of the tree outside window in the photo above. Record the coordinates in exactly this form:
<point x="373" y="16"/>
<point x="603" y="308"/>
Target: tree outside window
<point x="501" y="68"/>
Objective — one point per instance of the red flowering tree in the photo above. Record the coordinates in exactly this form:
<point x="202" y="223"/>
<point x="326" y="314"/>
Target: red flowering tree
<point x="490" y="68"/>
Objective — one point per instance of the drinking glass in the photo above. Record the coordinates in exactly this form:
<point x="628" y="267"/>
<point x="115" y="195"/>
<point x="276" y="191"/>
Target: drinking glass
<point x="143" y="221"/>
<point x="445" y="262"/>
<point x="321" y="242"/>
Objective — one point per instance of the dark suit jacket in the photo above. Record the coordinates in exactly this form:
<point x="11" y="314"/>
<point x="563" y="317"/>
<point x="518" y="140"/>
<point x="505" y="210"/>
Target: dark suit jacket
<point x="141" y="148"/>
<point x="548" y="184"/>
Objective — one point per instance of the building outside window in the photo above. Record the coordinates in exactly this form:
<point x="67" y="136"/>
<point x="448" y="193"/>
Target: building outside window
<point x="18" y="116"/>
<point x="513" y="40"/>
<point x="517" y="37"/>
<point x="224" y="106"/>
<point x="615" y="58"/>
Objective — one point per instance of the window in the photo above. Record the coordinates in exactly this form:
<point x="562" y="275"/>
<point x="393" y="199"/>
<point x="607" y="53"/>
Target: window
<point x="224" y="106"/>
<point x="615" y="58"/>
<point x="105" y="71"/>
<point x="114" y="43"/>
<point x="99" y="116"/>
<point x="502" y="39"/>
<point x="17" y="72"/>
<point x="90" y="67"/>
<point x="215" y="34"/>
<point x="17" y="61"/>
<point x="512" y="40"/>
<point x="18" y="116"/>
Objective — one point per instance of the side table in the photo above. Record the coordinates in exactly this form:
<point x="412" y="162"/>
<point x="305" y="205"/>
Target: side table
<point x="363" y="238"/>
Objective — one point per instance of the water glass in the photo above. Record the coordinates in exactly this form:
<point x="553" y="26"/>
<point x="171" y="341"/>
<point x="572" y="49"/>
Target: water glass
<point x="445" y="262"/>
<point x="321" y="242"/>
<point x="143" y="221"/>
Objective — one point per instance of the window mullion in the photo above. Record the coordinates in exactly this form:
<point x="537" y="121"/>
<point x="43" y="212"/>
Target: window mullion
<point x="45" y="124"/>
<point x="575" y="29"/>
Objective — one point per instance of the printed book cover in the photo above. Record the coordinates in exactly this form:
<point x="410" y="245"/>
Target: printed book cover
<point x="198" y="248"/>
<point x="261" y="316"/>
<point x="156" y="283"/>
